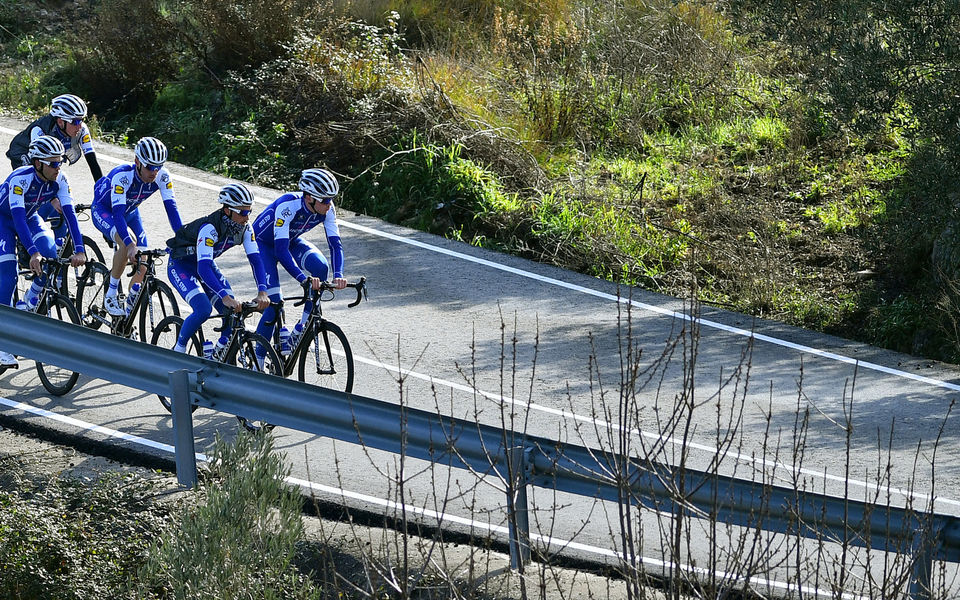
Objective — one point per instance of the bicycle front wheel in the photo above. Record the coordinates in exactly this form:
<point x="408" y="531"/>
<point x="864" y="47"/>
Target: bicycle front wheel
<point x="91" y="287"/>
<point x="72" y="276"/>
<point x="244" y="355"/>
<point x="327" y="361"/>
<point x="57" y="380"/>
<point x="160" y="303"/>
<point x="165" y="335"/>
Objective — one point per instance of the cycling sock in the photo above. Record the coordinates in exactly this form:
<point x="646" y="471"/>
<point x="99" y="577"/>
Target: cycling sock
<point x="178" y="347"/>
<point x="114" y="282"/>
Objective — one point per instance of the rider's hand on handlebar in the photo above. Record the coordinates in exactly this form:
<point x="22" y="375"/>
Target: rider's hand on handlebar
<point x="35" y="263"/>
<point x="339" y="283"/>
<point x="231" y="303"/>
<point x="132" y="253"/>
<point x="262" y="300"/>
<point x="78" y="259"/>
<point x="314" y="283"/>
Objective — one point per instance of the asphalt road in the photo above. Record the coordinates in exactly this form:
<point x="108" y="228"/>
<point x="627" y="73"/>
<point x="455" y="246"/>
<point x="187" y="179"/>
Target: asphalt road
<point x="502" y="340"/>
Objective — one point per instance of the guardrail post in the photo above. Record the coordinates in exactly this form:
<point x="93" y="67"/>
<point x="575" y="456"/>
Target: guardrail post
<point x="518" y="518"/>
<point x="185" y="453"/>
<point x="925" y="543"/>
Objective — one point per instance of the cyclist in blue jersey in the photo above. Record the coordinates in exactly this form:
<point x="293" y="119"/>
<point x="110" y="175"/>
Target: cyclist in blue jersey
<point x="115" y="214"/>
<point x="193" y="273"/>
<point x="66" y="123"/>
<point x="279" y="229"/>
<point x="23" y="192"/>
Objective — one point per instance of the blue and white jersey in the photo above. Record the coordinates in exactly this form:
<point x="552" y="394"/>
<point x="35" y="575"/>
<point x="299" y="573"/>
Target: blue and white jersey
<point x="121" y="191"/>
<point x="24" y="192"/>
<point x="76" y="146"/>
<point x="286" y="219"/>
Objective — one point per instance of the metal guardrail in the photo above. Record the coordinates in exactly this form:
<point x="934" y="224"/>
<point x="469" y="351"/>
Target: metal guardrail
<point x="520" y="460"/>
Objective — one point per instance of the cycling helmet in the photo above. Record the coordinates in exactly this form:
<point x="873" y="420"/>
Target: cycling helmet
<point x="46" y="147"/>
<point x="151" y="151"/>
<point x="235" y="195"/>
<point x="319" y="183"/>
<point x="68" y="107"/>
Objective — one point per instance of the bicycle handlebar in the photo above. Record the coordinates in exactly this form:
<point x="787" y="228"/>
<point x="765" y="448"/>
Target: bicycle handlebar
<point x="145" y="256"/>
<point x="310" y="294"/>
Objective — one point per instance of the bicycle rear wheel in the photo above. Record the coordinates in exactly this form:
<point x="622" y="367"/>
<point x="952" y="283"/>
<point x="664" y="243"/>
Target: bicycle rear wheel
<point x="91" y="286"/>
<point x="244" y="355"/>
<point x="165" y="335"/>
<point x="57" y="380"/>
<point x="327" y="361"/>
<point x="160" y="303"/>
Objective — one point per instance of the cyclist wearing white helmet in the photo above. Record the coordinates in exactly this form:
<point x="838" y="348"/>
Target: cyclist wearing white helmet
<point x="279" y="229"/>
<point x="22" y="194"/>
<point x="66" y="122"/>
<point x="116" y="198"/>
<point x="191" y="269"/>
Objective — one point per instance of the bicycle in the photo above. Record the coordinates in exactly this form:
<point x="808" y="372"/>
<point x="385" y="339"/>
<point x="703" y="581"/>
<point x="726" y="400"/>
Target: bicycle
<point x="321" y="355"/>
<point x="240" y="349"/>
<point x="53" y="303"/>
<point x="155" y="301"/>
<point x="322" y="340"/>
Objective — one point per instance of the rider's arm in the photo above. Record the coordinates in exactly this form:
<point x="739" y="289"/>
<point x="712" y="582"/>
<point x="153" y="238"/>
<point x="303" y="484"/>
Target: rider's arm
<point x="206" y="240"/>
<point x="118" y="204"/>
<point x="86" y="145"/>
<point x="66" y="206"/>
<point x="332" y="229"/>
<point x="18" y="211"/>
<point x="169" y="202"/>
<point x="253" y="257"/>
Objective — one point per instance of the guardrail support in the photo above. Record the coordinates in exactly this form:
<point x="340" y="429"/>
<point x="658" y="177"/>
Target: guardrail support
<point x="925" y="543"/>
<point x="185" y="453"/>
<point x="518" y="518"/>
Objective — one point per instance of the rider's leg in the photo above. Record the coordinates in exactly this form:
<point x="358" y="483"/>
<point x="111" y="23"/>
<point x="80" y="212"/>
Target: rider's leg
<point x="311" y="260"/>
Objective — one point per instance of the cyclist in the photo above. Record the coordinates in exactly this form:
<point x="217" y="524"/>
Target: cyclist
<point x="66" y="123"/>
<point x="193" y="272"/>
<point x="116" y="198"/>
<point x="279" y="229"/>
<point x="21" y="195"/>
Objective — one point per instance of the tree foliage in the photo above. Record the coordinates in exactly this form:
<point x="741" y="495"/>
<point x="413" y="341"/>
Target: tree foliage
<point x="871" y="60"/>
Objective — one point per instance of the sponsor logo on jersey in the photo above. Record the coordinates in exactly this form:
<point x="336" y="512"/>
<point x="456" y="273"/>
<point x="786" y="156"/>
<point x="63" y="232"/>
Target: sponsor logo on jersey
<point x="118" y="189"/>
<point x="279" y="223"/>
<point x="124" y="180"/>
<point x="209" y="242"/>
<point x="286" y="212"/>
<point x="18" y="190"/>
<point x="169" y="185"/>
<point x="86" y="139"/>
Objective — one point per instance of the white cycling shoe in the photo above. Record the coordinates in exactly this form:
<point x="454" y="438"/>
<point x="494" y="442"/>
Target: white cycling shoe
<point x="115" y="305"/>
<point x="8" y="361"/>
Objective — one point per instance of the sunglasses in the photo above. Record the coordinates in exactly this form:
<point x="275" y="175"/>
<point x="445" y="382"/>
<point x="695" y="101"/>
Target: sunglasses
<point x="51" y="163"/>
<point x="77" y="122"/>
<point x="242" y="213"/>
<point x="321" y="200"/>
<point x="153" y="168"/>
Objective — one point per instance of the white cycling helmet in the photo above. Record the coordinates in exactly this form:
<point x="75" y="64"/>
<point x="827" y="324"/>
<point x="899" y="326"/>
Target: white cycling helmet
<point x="68" y="107"/>
<point x="151" y="151"/>
<point x="319" y="183"/>
<point x="235" y="195"/>
<point x="46" y="147"/>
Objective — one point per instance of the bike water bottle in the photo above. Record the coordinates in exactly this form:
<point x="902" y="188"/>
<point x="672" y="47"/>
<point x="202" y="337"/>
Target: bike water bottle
<point x="208" y="349"/>
<point x="296" y="334"/>
<point x="132" y="296"/>
<point x="285" y="348"/>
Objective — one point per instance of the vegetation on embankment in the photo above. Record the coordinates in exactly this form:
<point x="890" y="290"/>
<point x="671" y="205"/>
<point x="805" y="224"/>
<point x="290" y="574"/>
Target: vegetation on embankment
<point x="767" y="165"/>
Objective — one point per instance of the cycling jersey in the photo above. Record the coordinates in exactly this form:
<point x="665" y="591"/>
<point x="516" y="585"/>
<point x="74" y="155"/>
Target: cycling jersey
<point x="76" y="146"/>
<point x="22" y="194"/>
<point x="196" y="245"/>
<point x="117" y="195"/>
<point x="286" y="219"/>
